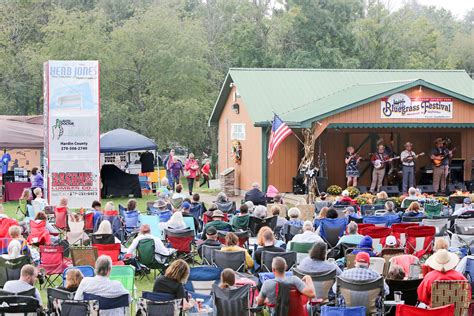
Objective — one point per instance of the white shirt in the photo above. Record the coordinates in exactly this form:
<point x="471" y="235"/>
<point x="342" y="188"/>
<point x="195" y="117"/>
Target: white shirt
<point x="306" y="236"/>
<point x="462" y="210"/>
<point x="17" y="286"/>
<point x="178" y="196"/>
<point x="406" y="154"/>
<point x="159" y="247"/>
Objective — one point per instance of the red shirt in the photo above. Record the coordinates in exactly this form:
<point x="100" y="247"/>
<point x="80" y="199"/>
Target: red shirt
<point x="205" y="169"/>
<point x="424" y="289"/>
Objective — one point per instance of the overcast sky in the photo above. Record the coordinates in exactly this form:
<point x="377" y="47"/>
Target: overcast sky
<point x="458" y="7"/>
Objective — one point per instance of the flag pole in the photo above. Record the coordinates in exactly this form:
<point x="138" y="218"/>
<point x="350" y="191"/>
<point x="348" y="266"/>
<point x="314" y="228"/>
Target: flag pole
<point x="302" y="143"/>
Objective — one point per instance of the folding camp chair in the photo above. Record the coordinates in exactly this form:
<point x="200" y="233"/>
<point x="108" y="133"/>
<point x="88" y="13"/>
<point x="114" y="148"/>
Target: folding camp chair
<point x="302" y="249"/>
<point x="126" y="276"/>
<point x="55" y="299"/>
<point x="111" y="250"/>
<point x="83" y="256"/>
<point x="343" y="311"/>
<point x="420" y="240"/>
<point x="431" y="210"/>
<point x="19" y="305"/>
<point x="206" y="253"/>
<point x="378" y="234"/>
<point x="153" y="221"/>
<point x="76" y="234"/>
<point x="322" y="282"/>
<point x="469" y="271"/>
<point x="231" y="302"/>
<point x="289" y="231"/>
<point x="146" y="255"/>
<point x="30" y="293"/>
<point x="398" y="230"/>
<point x="122" y="209"/>
<point x="407" y="287"/>
<point x="405" y="261"/>
<point x="39" y="235"/>
<point x="182" y="241"/>
<point x="22" y="209"/>
<point x="53" y="262"/>
<point x="115" y="222"/>
<point x="5" y="224"/>
<point x="86" y="308"/>
<point x="112" y="304"/>
<point x="383" y="221"/>
<point x="131" y="220"/>
<point x="369" y="209"/>
<point x="288" y="301"/>
<point x="87" y="271"/>
<point x="243" y="237"/>
<point x="89" y="221"/>
<point x="102" y="239"/>
<point x="361" y="293"/>
<point x="452" y="292"/>
<point x="331" y="230"/>
<point x="226" y="207"/>
<point x="256" y="223"/>
<point x="377" y="264"/>
<point x="10" y="268"/>
<point x="412" y="219"/>
<point x="440" y="224"/>
<point x="267" y="258"/>
<point x="60" y="216"/>
<point x="163" y="304"/>
<point x="201" y="279"/>
<point x="234" y="260"/>
<point x="407" y="310"/>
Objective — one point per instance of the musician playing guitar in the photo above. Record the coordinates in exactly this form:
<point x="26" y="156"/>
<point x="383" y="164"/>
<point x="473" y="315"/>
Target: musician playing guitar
<point x="379" y="160"/>
<point x="408" y="158"/>
<point x="440" y="156"/>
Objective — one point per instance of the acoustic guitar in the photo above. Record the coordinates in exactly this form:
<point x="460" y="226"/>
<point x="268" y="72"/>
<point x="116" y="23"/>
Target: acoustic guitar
<point x="439" y="158"/>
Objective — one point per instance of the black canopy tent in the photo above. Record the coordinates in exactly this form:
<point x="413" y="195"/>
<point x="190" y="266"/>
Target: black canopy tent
<point x="115" y="181"/>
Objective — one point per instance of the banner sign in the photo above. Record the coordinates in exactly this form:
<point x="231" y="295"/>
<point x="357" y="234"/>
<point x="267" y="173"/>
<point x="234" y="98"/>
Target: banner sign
<point x="400" y="105"/>
<point x="72" y="131"/>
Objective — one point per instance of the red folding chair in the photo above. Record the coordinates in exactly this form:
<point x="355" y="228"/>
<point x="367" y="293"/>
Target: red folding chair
<point x="111" y="250"/>
<point x="362" y="226"/>
<point x="111" y="212"/>
<point x="60" y="216"/>
<point x="53" y="262"/>
<point x="243" y="237"/>
<point x="297" y="302"/>
<point x="378" y="234"/>
<point x="206" y="219"/>
<point x="182" y="241"/>
<point x="89" y="222"/>
<point x="5" y="224"/>
<point x="407" y="310"/>
<point x="39" y="234"/>
<point x="420" y="240"/>
<point x="398" y="230"/>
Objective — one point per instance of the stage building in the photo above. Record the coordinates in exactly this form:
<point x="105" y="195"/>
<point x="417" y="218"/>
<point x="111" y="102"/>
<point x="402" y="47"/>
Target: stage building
<point x="341" y="107"/>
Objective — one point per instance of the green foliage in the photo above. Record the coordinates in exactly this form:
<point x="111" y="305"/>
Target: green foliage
<point x="334" y="190"/>
<point x="163" y="62"/>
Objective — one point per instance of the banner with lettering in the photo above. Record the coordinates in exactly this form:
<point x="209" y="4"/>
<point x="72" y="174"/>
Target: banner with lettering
<point x="402" y="106"/>
<point x="72" y="131"/>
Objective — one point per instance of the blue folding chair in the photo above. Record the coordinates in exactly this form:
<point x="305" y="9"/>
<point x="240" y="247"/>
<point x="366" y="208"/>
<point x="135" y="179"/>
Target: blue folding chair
<point x="196" y="210"/>
<point x="342" y="311"/>
<point x="377" y="220"/>
<point x="144" y="183"/>
<point x="189" y="221"/>
<point x="207" y="299"/>
<point x="107" y="303"/>
<point x="122" y="210"/>
<point x="264" y="276"/>
<point x="469" y="272"/>
<point x="157" y="296"/>
<point x="131" y="220"/>
<point x="317" y="222"/>
<point x="201" y="279"/>
<point x="164" y="216"/>
<point x="368" y="209"/>
<point x="87" y="271"/>
<point x="331" y="229"/>
<point x="153" y="221"/>
<point x="394" y="219"/>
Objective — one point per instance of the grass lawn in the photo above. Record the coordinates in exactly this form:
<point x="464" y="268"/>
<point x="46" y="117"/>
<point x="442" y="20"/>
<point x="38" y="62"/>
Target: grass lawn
<point x="141" y="285"/>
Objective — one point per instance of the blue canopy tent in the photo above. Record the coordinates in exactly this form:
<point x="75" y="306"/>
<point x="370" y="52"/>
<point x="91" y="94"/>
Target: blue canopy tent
<point x="120" y="140"/>
<point x="115" y="181"/>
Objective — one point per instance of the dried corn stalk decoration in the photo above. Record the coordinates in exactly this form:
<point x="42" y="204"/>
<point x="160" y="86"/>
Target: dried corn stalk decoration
<point x="308" y="165"/>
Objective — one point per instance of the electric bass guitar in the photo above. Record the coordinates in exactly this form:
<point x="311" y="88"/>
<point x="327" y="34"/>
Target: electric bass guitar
<point x="438" y="160"/>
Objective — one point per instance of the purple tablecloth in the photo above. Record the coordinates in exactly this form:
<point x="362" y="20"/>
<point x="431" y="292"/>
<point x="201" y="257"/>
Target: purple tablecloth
<point x="13" y="190"/>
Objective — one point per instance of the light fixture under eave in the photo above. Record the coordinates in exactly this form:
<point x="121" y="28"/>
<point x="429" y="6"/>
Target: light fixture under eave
<point x="236" y="108"/>
<point x="419" y="89"/>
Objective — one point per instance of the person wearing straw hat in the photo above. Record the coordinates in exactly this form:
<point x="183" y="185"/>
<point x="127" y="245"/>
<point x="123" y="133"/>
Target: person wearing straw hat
<point x="218" y="223"/>
<point x="443" y="264"/>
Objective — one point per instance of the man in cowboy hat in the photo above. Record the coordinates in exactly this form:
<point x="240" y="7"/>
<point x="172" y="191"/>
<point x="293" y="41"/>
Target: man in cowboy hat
<point x="218" y="223"/>
<point x="408" y="157"/>
<point x="443" y="264"/>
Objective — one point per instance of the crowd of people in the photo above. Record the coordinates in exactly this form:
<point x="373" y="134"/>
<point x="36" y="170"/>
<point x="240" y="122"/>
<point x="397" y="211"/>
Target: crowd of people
<point x="223" y="218"/>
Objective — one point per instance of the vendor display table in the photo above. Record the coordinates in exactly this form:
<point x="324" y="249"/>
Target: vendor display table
<point x="13" y="190"/>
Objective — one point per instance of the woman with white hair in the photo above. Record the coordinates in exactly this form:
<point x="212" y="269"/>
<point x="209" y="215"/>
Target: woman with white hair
<point x="14" y="250"/>
<point x="109" y="206"/>
<point x="105" y="228"/>
<point x="175" y="222"/>
<point x="260" y="211"/>
<point x="308" y="235"/>
<point x="294" y="214"/>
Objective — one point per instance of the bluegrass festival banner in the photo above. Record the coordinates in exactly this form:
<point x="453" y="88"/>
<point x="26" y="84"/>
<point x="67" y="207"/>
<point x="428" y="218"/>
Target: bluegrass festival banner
<point x="400" y="105"/>
<point x="72" y="114"/>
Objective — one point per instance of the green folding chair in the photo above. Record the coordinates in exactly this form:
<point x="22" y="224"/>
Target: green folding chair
<point x="433" y="209"/>
<point x="302" y="249"/>
<point x="126" y="276"/>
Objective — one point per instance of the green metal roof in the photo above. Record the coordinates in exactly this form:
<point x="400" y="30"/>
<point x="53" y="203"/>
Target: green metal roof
<point x="302" y="96"/>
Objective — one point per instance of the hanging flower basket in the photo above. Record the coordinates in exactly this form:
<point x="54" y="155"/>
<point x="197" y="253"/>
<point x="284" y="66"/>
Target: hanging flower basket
<point x="236" y="152"/>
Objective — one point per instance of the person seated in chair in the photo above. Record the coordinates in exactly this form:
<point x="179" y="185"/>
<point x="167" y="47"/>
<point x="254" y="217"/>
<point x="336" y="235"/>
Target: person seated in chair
<point x="256" y="195"/>
<point x="105" y="228"/>
<point x="281" y="220"/>
<point x="211" y="239"/>
<point x="269" y="245"/>
<point x="443" y="264"/>
<point x="241" y="220"/>
<point x="185" y="209"/>
<point x="294" y="214"/>
<point x="145" y="233"/>
<point x="13" y="250"/>
<point x="232" y="244"/>
<point x="316" y="262"/>
<point x="362" y="272"/>
<point x="218" y="222"/>
<point x="412" y="196"/>
<point x="268" y="292"/>
<point x="365" y="245"/>
<point x="176" y="222"/>
<point x="28" y="276"/>
<point x="413" y="210"/>
<point x="260" y="212"/>
<point x="196" y="202"/>
<point x="308" y="235"/>
<point x="73" y="279"/>
<point x="227" y="279"/>
<point x="467" y="207"/>
<point x="15" y="233"/>
<point x="101" y="284"/>
<point x="390" y="208"/>
<point x="352" y="237"/>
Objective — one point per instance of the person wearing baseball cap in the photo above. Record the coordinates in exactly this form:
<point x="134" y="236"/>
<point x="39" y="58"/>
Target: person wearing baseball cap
<point x="443" y="264"/>
<point x="362" y="272"/>
<point x="391" y="242"/>
<point x="365" y="245"/>
<point x="185" y="208"/>
<point x="467" y="207"/>
<point x="218" y="223"/>
<point x="211" y="239"/>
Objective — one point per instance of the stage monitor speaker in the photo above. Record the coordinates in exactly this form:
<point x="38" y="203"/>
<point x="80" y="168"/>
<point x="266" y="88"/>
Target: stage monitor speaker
<point x="470" y="185"/>
<point x="392" y="190"/>
<point x="362" y="189"/>
<point x="298" y="185"/>
<point x="456" y="186"/>
<point x="322" y="184"/>
<point x="426" y="189"/>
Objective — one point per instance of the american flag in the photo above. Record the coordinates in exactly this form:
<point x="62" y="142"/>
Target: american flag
<point x="280" y="131"/>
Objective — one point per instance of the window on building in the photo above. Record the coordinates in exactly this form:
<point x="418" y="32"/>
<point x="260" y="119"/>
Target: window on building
<point x="237" y="131"/>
